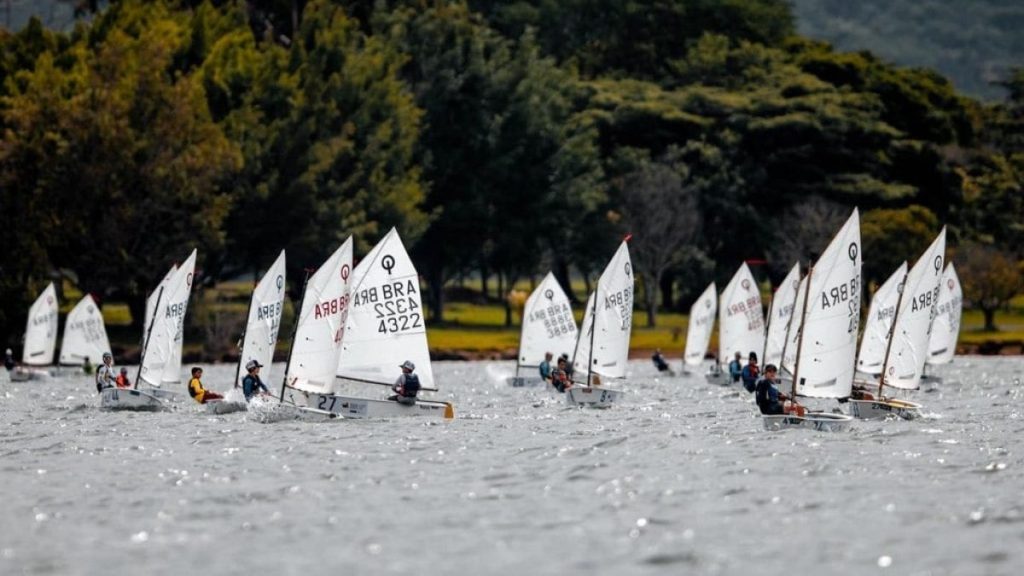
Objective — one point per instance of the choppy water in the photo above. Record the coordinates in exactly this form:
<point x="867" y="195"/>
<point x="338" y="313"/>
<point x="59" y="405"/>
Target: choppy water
<point x="680" y="478"/>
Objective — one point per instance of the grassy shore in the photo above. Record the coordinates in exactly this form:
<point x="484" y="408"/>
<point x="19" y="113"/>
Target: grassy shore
<point x="477" y="330"/>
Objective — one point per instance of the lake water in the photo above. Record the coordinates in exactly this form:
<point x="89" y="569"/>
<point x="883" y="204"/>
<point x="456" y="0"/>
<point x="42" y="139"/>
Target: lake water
<point x="679" y="478"/>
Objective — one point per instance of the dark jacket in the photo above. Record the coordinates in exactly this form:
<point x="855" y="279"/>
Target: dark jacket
<point x="750" y="374"/>
<point x="767" y="397"/>
<point x="251" y="385"/>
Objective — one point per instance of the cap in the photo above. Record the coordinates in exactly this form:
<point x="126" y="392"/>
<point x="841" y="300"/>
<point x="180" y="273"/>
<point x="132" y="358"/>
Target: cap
<point x="252" y="364"/>
<point x="107" y="355"/>
<point x="407" y="366"/>
<point x="753" y="356"/>
<point x="124" y="370"/>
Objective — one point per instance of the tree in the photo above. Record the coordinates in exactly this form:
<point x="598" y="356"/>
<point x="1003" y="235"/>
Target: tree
<point x="990" y="277"/>
<point x="890" y="237"/>
<point x="660" y="209"/>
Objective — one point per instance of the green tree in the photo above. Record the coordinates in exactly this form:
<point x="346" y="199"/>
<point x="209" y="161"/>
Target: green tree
<point x="990" y="277"/>
<point x="890" y="236"/>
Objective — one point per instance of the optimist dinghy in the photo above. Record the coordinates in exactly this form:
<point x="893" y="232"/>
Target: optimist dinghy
<point x="946" y="325"/>
<point x="85" y="335"/>
<point x="260" y="336"/>
<point x="548" y="327"/>
<point x="698" y="332"/>
<point x="740" y="324"/>
<point x="824" y="335"/>
<point x="40" y="338"/>
<point x="162" y="345"/>
<point x="907" y="345"/>
<point x="602" y="347"/>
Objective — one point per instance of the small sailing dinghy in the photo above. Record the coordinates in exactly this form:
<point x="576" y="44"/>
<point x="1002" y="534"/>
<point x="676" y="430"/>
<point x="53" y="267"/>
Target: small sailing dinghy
<point x="907" y="344"/>
<point x="40" y="338"/>
<point x="85" y="335"/>
<point x="740" y="324"/>
<point x="385" y="328"/>
<point x="946" y="325"/>
<point x="824" y="335"/>
<point x="160" y="364"/>
<point x="548" y="328"/>
<point x="879" y="324"/>
<point x="698" y="332"/>
<point x="259" y="337"/>
<point x="602" y="348"/>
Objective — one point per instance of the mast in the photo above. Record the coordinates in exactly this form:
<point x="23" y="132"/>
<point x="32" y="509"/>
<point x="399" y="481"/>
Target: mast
<point x="245" y="328"/>
<point x="149" y="332"/>
<point x="892" y="332"/>
<point x="800" y="336"/>
<point x="295" y="330"/>
<point x="768" y="327"/>
<point x="593" y="324"/>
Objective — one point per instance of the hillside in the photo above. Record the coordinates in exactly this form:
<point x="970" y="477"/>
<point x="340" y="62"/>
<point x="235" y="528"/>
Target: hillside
<point x="973" y="43"/>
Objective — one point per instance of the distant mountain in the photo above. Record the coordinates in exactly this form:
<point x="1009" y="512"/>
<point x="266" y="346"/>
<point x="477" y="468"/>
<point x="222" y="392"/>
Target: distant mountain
<point x="972" y="42"/>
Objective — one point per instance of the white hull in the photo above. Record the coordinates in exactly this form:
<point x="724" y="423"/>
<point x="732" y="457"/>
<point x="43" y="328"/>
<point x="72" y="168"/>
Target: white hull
<point x="128" y="399"/>
<point x="886" y="408"/>
<point x="23" y="374"/>
<point x="166" y="395"/>
<point x="592" y="397"/>
<point x="353" y="407"/>
<point x="524" y="381"/>
<point x="225" y="406"/>
<point x="820" y="421"/>
<point x="718" y="378"/>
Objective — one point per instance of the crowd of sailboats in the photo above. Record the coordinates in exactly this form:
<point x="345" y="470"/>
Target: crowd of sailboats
<point x="357" y="323"/>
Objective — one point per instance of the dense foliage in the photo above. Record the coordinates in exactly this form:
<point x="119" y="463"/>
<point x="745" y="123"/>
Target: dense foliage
<point x="500" y="138"/>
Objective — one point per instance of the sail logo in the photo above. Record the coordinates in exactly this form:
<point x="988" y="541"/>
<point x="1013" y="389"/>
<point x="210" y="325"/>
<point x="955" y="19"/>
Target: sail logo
<point x="279" y="281"/>
<point x="745" y="284"/>
<point x="549" y="294"/>
<point x="852" y="251"/>
<point x="188" y="280"/>
<point x="628" y="268"/>
<point x="938" y="264"/>
<point x="345" y="270"/>
<point x="388" y="263"/>
<point x="951" y="284"/>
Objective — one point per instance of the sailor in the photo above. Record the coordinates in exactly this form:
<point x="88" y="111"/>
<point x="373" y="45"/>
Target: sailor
<point x="251" y="384"/>
<point x="560" y="378"/>
<point x="105" y="375"/>
<point x="736" y="367"/>
<point x="568" y="365"/>
<point x="122" y="379"/>
<point x="9" y="362"/>
<point x="768" y="397"/>
<point x="659" y="361"/>
<point x="196" y="390"/>
<point x="407" y="385"/>
<point x="750" y="373"/>
<point x="545" y="367"/>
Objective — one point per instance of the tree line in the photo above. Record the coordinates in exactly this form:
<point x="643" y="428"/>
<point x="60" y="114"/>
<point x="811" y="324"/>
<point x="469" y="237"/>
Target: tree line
<point x="503" y="139"/>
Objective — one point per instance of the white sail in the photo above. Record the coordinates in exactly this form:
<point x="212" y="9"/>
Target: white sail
<point x="740" y="318"/>
<point x="386" y="325"/>
<point x="151" y="299"/>
<point x="779" y="315"/>
<point x="161" y="362"/>
<point x="548" y="324"/>
<point x="909" y="349"/>
<point x="603" y="344"/>
<point x="702" y="320"/>
<point x="85" y="335"/>
<point x="41" y="329"/>
<point x="264" y="320"/>
<point x="321" y="324"/>
<point x="828" y="343"/>
<point x="946" y="326"/>
<point x="879" y="323"/>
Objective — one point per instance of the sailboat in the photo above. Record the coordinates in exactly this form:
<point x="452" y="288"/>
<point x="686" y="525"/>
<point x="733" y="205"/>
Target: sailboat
<point x="907" y="345"/>
<point x="698" y="332"/>
<point x="385" y="328"/>
<point x="946" y="325"/>
<point x="163" y="339"/>
<point x="85" y="335"/>
<point x="548" y="328"/>
<point x="879" y="323"/>
<point x="740" y="324"/>
<point x="263" y="321"/>
<point x="823" y="337"/>
<point x="40" y="337"/>
<point x="602" y="347"/>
